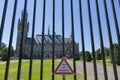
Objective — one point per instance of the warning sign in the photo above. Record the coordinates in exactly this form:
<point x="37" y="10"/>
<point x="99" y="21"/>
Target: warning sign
<point x="64" y="68"/>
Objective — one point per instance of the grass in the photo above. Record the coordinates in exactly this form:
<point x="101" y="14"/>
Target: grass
<point x="35" y="71"/>
<point x="100" y="62"/>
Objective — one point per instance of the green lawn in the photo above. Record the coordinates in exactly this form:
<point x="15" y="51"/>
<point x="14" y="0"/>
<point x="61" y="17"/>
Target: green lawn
<point x="100" y="62"/>
<point x="35" y="72"/>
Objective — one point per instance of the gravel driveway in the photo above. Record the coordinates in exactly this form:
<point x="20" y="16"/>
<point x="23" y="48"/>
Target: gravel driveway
<point x="90" y="71"/>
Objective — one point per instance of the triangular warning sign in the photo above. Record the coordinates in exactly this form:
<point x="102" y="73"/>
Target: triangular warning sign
<point x="63" y="67"/>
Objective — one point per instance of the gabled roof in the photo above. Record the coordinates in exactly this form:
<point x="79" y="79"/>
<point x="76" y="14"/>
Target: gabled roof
<point x="68" y="40"/>
<point x="47" y="39"/>
<point x="29" y="40"/>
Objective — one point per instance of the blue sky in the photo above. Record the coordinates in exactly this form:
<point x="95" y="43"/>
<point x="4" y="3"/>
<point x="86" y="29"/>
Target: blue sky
<point x="58" y="22"/>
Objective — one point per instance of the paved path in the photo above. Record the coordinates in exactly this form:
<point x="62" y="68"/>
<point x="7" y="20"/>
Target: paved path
<point x="90" y="71"/>
<point x="11" y="61"/>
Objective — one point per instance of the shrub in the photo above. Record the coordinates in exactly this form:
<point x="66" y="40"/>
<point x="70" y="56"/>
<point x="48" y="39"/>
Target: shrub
<point x="77" y="56"/>
<point x="88" y="57"/>
<point x="3" y="54"/>
<point x="25" y="56"/>
<point x="118" y="59"/>
<point x="98" y="55"/>
<point x="4" y="57"/>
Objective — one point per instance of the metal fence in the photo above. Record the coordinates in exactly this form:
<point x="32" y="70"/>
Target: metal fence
<point x="97" y="7"/>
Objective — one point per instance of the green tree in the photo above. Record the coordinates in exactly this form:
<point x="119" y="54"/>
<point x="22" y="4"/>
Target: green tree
<point x="118" y="59"/>
<point x="81" y="53"/>
<point x="98" y="54"/>
<point x="117" y="53"/>
<point x="25" y="56"/>
<point x="77" y="56"/>
<point x="107" y="53"/>
<point x="116" y="49"/>
<point x="12" y="51"/>
<point x="4" y="52"/>
<point x="88" y="56"/>
<point x="3" y="45"/>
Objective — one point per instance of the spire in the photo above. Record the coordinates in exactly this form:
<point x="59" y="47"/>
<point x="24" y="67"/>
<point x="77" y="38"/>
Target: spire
<point x="48" y="30"/>
<point x="22" y="15"/>
<point x="71" y="33"/>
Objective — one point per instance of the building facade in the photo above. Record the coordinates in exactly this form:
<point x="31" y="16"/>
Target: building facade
<point x="26" y="48"/>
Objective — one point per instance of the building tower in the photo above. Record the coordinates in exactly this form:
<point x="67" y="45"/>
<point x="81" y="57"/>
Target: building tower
<point x="19" y="33"/>
<point x="48" y="30"/>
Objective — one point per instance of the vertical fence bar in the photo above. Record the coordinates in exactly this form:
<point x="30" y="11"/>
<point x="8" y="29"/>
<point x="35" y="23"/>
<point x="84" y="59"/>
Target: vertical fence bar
<point x="10" y="41"/>
<point x="110" y="41"/>
<point x="53" y="44"/>
<point x="63" y="38"/>
<point x="82" y="40"/>
<point x="63" y="29"/>
<point x="73" y="40"/>
<point x="21" y="42"/>
<point x="92" y="40"/>
<point x="3" y="21"/>
<point x="101" y="41"/>
<point x="32" y="42"/>
<point x="116" y="23"/>
<point x="42" y="47"/>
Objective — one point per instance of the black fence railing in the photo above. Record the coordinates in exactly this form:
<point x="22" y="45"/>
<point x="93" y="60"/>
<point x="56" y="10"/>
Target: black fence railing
<point x="97" y="9"/>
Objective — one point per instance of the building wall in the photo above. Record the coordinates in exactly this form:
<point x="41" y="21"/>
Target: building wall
<point x="48" y="50"/>
<point x="26" y="48"/>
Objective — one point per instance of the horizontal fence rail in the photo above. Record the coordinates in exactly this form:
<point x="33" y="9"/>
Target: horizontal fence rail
<point x="94" y="26"/>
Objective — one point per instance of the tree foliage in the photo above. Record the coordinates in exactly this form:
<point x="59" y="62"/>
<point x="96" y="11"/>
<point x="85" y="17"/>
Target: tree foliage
<point x="77" y="56"/>
<point x="118" y="59"/>
<point x="3" y="45"/>
<point x="117" y="53"/>
<point x="98" y="55"/>
<point x="4" y="52"/>
<point x="107" y="53"/>
<point x="88" y="56"/>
